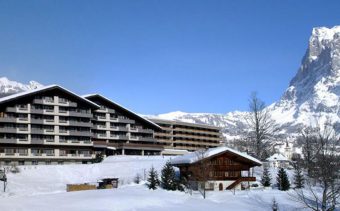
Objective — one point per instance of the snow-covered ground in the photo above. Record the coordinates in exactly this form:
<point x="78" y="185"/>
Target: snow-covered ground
<point x="44" y="188"/>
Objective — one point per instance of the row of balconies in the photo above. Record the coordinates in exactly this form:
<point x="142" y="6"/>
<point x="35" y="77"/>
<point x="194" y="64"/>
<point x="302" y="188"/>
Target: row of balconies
<point x="46" y="121"/>
<point x="61" y="122"/>
<point x="61" y="132"/>
<point x="124" y="137"/>
<point x="49" y="112"/>
<point x="197" y="137"/>
<point x="114" y="119"/>
<point x="198" y="131"/>
<point x="43" y="141"/>
<point x="105" y="110"/>
<point x="54" y="102"/>
<point x="202" y="143"/>
<point x="44" y="155"/>
<point x="61" y="142"/>
<point x="122" y="128"/>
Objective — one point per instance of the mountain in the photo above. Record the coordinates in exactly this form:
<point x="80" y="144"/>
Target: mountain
<point x="313" y="95"/>
<point x="8" y="87"/>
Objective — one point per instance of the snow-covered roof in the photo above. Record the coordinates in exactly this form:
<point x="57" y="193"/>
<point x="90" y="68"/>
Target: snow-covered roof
<point x="44" y="88"/>
<point x="194" y="156"/>
<point x="277" y="157"/>
<point x="123" y="108"/>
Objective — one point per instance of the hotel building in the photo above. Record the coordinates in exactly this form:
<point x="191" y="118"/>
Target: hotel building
<point x="117" y="130"/>
<point x="180" y="137"/>
<point x="50" y="125"/>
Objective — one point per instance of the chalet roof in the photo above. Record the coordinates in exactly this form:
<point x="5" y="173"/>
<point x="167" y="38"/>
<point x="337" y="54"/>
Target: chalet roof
<point x="43" y="89"/>
<point x="154" y="125"/>
<point x="277" y="157"/>
<point x="193" y="157"/>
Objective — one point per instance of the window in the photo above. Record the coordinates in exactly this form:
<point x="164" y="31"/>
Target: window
<point x="49" y="99"/>
<point x="23" y="152"/>
<point x="9" y="151"/>
<point x="62" y="152"/>
<point x="49" y="152"/>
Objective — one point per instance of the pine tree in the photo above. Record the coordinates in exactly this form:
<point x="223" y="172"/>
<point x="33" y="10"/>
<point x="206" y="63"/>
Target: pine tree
<point x="282" y="180"/>
<point x="168" y="177"/>
<point x="298" y="177"/>
<point x="137" y="179"/>
<point x="266" y="178"/>
<point x="153" y="180"/>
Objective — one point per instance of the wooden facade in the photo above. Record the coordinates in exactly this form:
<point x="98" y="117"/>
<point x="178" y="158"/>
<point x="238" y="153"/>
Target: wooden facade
<point x="225" y="166"/>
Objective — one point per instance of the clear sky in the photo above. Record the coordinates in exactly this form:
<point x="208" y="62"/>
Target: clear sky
<point x="163" y="55"/>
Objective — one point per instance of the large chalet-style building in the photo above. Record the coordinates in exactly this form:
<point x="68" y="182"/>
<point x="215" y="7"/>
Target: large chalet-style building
<point x="49" y="125"/>
<point x="119" y="131"/>
<point x="219" y="168"/>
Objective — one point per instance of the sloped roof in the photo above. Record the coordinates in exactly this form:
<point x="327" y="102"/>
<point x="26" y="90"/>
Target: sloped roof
<point x="193" y="157"/>
<point x="43" y="89"/>
<point x="89" y="96"/>
<point x="277" y="157"/>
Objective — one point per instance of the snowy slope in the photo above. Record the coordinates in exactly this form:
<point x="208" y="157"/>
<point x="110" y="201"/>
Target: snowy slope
<point x="10" y="87"/>
<point x="313" y="94"/>
<point x="43" y="179"/>
<point x="43" y="188"/>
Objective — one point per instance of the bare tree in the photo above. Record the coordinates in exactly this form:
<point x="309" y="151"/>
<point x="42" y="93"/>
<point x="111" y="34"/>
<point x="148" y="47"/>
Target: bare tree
<point x="262" y="126"/>
<point x="322" y="190"/>
<point x="203" y="167"/>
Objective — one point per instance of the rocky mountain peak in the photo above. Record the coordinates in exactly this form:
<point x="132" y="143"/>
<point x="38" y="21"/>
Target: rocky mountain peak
<point x="10" y="87"/>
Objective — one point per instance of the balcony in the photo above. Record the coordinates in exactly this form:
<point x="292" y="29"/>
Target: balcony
<point x="118" y="137"/>
<point x="100" y="127"/>
<point x="140" y="130"/>
<point x="137" y="146"/>
<point x="80" y="133"/>
<point x="122" y="119"/>
<point x="67" y="103"/>
<point x="37" y="121"/>
<point x="17" y="109"/>
<point x="37" y="111"/>
<point x="125" y="120"/>
<point x="8" y="140"/>
<point x="100" y="136"/>
<point x="149" y="139"/>
<point x="8" y="130"/>
<point x="37" y="141"/>
<point x="80" y="124"/>
<point x="44" y="101"/>
<point x="8" y="119"/>
<point x="80" y="114"/>
<point x="101" y="118"/>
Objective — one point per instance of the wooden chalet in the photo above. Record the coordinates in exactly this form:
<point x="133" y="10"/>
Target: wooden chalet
<point x="219" y="168"/>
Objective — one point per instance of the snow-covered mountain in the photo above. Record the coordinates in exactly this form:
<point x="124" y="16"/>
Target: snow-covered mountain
<point x="8" y="87"/>
<point x="313" y="94"/>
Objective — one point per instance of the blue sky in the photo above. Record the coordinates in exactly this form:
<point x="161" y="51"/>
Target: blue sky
<point x="161" y="56"/>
